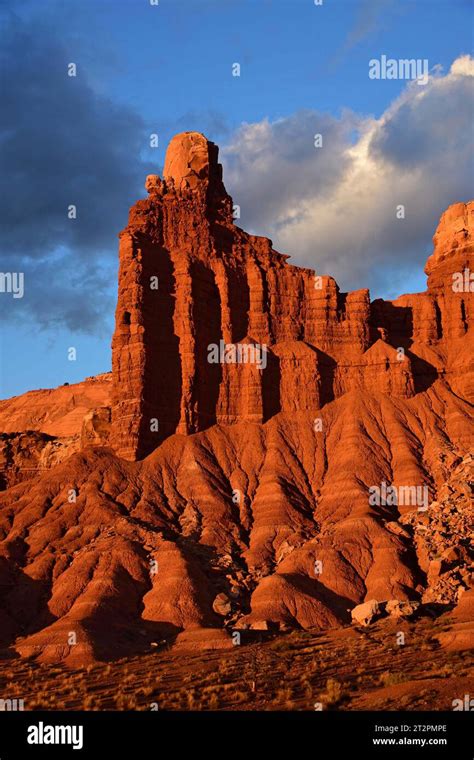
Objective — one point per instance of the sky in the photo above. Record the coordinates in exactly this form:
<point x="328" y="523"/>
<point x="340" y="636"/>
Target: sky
<point x="144" y="69"/>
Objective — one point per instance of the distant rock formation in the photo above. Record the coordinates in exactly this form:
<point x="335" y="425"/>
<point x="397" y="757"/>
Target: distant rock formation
<point x="41" y="428"/>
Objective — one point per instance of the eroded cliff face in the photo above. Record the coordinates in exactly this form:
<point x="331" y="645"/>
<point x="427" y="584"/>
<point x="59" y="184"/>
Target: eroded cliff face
<point x="255" y="508"/>
<point x="41" y="428"/>
<point x="190" y="279"/>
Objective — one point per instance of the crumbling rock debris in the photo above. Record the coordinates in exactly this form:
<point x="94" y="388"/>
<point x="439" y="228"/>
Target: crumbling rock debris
<point x="401" y="609"/>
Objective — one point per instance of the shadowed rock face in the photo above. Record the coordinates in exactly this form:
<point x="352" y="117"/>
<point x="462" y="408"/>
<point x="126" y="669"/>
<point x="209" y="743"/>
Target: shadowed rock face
<point x="249" y="503"/>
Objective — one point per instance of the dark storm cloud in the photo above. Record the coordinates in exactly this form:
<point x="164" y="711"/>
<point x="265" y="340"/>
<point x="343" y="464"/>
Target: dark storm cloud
<point x="61" y="143"/>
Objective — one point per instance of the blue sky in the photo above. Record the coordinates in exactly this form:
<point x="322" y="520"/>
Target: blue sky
<point x="163" y="69"/>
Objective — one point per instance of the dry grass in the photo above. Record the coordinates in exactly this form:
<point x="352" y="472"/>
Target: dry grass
<point x="290" y="672"/>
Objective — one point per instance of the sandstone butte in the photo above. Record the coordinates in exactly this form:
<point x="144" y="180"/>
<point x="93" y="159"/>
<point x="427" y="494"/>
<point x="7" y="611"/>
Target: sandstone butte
<point x="183" y="500"/>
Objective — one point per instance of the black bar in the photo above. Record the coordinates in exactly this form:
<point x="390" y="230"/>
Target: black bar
<point x="315" y="734"/>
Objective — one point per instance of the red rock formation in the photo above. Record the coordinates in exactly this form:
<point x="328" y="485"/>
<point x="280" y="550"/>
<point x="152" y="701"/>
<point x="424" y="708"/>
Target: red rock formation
<point x="42" y="428"/>
<point x="254" y="507"/>
<point x="215" y="283"/>
<point x="190" y="278"/>
<point x="58" y="412"/>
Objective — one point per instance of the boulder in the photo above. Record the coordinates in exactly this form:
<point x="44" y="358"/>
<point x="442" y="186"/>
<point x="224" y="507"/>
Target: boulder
<point x="222" y="605"/>
<point x="366" y="613"/>
<point x="401" y="609"/>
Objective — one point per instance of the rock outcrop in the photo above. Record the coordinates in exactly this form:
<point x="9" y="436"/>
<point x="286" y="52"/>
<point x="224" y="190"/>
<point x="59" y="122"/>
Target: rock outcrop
<point x="57" y="412"/>
<point x="42" y="428"/>
<point x="195" y="290"/>
<point x="274" y="452"/>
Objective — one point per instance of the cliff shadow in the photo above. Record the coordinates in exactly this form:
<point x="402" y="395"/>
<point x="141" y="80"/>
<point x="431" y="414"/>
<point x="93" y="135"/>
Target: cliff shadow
<point x="207" y="320"/>
<point x="327" y="371"/>
<point x="424" y="373"/>
<point x="392" y="323"/>
<point x="239" y="303"/>
<point x="162" y="382"/>
<point x="238" y="291"/>
<point x="395" y="325"/>
<point x="271" y="377"/>
<point x="23" y="603"/>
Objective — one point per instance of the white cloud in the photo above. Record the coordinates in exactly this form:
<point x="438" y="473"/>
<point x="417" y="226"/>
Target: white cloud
<point x="463" y="66"/>
<point x="334" y="208"/>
